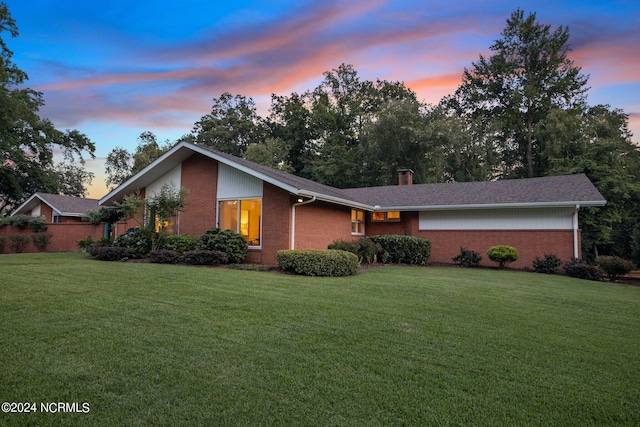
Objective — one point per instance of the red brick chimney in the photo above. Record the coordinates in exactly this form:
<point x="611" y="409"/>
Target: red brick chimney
<point x="405" y="177"/>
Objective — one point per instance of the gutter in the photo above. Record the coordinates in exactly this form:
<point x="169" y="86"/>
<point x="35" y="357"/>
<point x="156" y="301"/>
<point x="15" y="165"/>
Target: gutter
<point x="293" y="219"/>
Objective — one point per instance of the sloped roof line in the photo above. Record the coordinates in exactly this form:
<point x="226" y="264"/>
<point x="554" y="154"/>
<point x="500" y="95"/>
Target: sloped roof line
<point x="562" y="190"/>
<point x="60" y="204"/>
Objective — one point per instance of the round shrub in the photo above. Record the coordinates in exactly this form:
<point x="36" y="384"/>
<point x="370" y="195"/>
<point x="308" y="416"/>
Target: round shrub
<point x="225" y="241"/>
<point x="467" y="258"/>
<point x="547" y="265"/>
<point x="502" y="254"/>
<point x="615" y="267"/>
<point x="364" y="248"/>
<point x="403" y="249"/>
<point x="41" y="240"/>
<point x="581" y="270"/>
<point x="18" y="242"/>
<point x="180" y="242"/>
<point x="331" y="263"/>
<point x="137" y="241"/>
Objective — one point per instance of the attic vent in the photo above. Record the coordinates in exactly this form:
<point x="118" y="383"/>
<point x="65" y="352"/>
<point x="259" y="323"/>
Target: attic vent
<point x="405" y="177"/>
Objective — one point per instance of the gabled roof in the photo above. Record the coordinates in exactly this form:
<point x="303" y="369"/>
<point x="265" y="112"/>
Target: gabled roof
<point x="567" y="190"/>
<point x="61" y="205"/>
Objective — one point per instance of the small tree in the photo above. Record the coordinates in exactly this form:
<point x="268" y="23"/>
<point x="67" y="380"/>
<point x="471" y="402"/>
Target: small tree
<point x="502" y="254"/>
<point x="41" y="240"/>
<point x="161" y="208"/>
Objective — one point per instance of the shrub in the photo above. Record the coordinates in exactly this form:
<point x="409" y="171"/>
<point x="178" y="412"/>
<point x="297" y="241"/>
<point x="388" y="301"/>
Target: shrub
<point x="180" y="243"/>
<point x="109" y="253"/>
<point x="364" y="248"/>
<point x="135" y="240"/>
<point x="502" y="254"/>
<point x="164" y="256"/>
<point x="581" y="270"/>
<point x="403" y="249"/>
<point x="41" y="240"/>
<point x="333" y="263"/>
<point x="467" y="258"/>
<point x="21" y="221"/>
<point x="225" y="241"/>
<point x="615" y="267"/>
<point x="85" y="244"/>
<point x="549" y="265"/>
<point x="18" y="242"/>
<point x="3" y="242"/>
<point x="205" y="257"/>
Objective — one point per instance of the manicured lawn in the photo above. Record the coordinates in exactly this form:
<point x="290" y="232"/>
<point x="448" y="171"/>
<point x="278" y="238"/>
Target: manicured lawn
<point x="147" y="344"/>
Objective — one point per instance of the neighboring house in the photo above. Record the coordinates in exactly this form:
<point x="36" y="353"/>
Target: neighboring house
<point x="275" y="210"/>
<point x="56" y="208"/>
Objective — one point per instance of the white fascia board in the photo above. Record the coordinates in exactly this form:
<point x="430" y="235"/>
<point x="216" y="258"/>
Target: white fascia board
<point x="26" y="202"/>
<point x="491" y="206"/>
<point x="336" y="200"/>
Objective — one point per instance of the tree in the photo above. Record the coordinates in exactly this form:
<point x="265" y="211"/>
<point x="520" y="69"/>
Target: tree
<point x="231" y="126"/>
<point x="272" y="153"/>
<point x="27" y="141"/>
<point x="513" y="91"/>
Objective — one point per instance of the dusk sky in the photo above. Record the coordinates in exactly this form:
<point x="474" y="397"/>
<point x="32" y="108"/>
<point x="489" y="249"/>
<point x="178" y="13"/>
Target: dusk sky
<point x="115" y="69"/>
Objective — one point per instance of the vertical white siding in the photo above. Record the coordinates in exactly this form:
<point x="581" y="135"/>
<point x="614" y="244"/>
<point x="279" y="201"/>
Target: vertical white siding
<point x="35" y="212"/>
<point x="235" y="184"/>
<point x="171" y="177"/>
<point x="498" y="219"/>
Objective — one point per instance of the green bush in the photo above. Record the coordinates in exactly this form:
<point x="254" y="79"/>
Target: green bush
<point x="225" y="241"/>
<point x="18" y="242"/>
<point x="550" y="264"/>
<point x="333" y="263"/>
<point x="36" y="223"/>
<point x="364" y="248"/>
<point x="205" y="257"/>
<point x="109" y="253"/>
<point x="3" y="242"/>
<point x="180" y="243"/>
<point x="41" y="240"/>
<point x="502" y="254"/>
<point x="403" y="249"/>
<point x="467" y="258"/>
<point x="137" y="241"/>
<point x="615" y="267"/>
<point x="85" y="244"/>
<point x="581" y="270"/>
<point x="164" y="256"/>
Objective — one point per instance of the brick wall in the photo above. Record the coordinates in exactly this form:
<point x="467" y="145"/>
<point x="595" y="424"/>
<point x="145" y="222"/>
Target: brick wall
<point x="200" y="177"/>
<point x="318" y="224"/>
<point x="64" y="235"/>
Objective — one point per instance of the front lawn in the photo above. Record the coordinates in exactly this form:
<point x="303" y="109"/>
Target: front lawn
<point x="147" y="344"/>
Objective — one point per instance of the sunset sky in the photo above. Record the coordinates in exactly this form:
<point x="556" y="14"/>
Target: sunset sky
<point x="115" y="69"/>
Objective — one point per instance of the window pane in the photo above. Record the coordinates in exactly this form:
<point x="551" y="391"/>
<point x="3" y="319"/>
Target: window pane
<point x="377" y="216"/>
<point x="393" y="215"/>
<point x="250" y="216"/>
<point x="228" y="215"/>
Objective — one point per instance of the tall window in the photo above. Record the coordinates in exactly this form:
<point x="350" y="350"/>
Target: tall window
<point x="357" y="221"/>
<point x="243" y="217"/>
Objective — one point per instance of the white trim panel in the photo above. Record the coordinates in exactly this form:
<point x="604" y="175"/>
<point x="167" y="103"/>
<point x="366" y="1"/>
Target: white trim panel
<point x="498" y="219"/>
<point x="235" y="184"/>
<point x="171" y="177"/>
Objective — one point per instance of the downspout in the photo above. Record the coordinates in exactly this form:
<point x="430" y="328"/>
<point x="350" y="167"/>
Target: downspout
<point x="575" y="232"/>
<point x="293" y="219"/>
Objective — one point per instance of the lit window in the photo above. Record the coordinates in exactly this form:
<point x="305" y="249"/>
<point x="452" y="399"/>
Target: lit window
<point x="393" y="216"/>
<point x="243" y="217"/>
<point x="357" y="221"/>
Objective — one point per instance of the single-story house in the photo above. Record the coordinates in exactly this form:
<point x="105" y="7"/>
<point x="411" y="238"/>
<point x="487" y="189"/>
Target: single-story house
<point x="275" y="210"/>
<point x="56" y="208"/>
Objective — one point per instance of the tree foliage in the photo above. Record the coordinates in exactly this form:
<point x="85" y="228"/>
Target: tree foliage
<point x="27" y="141"/>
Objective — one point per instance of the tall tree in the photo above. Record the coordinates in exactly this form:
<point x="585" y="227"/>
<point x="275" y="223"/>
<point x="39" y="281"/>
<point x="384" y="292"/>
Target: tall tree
<point x="514" y="90"/>
<point x="231" y="126"/>
<point x="27" y="141"/>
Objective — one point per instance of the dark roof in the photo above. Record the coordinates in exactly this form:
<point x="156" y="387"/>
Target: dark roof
<point x="65" y="205"/>
<point x="564" y="190"/>
<point x="552" y="190"/>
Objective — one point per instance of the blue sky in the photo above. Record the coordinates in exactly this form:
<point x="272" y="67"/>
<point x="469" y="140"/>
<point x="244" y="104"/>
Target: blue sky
<point x="115" y="69"/>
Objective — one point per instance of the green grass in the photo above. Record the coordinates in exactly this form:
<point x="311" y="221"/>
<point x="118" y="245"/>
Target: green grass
<point x="148" y="344"/>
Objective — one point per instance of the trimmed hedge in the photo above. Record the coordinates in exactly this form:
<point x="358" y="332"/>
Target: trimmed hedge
<point x="204" y="257"/>
<point x="180" y="242"/>
<point x="581" y="270"/>
<point x="550" y="264"/>
<point x="41" y="240"/>
<point x="225" y="241"/>
<point x="164" y="256"/>
<point x="615" y="267"/>
<point x="328" y="263"/>
<point x="109" y="253"/>
<point x="18" y="242"/>
<point x="403" y="249"/>
<point x="364" y="248"/>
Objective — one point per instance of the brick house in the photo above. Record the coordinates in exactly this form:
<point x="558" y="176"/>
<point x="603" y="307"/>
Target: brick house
<point x="275" y="210"/>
